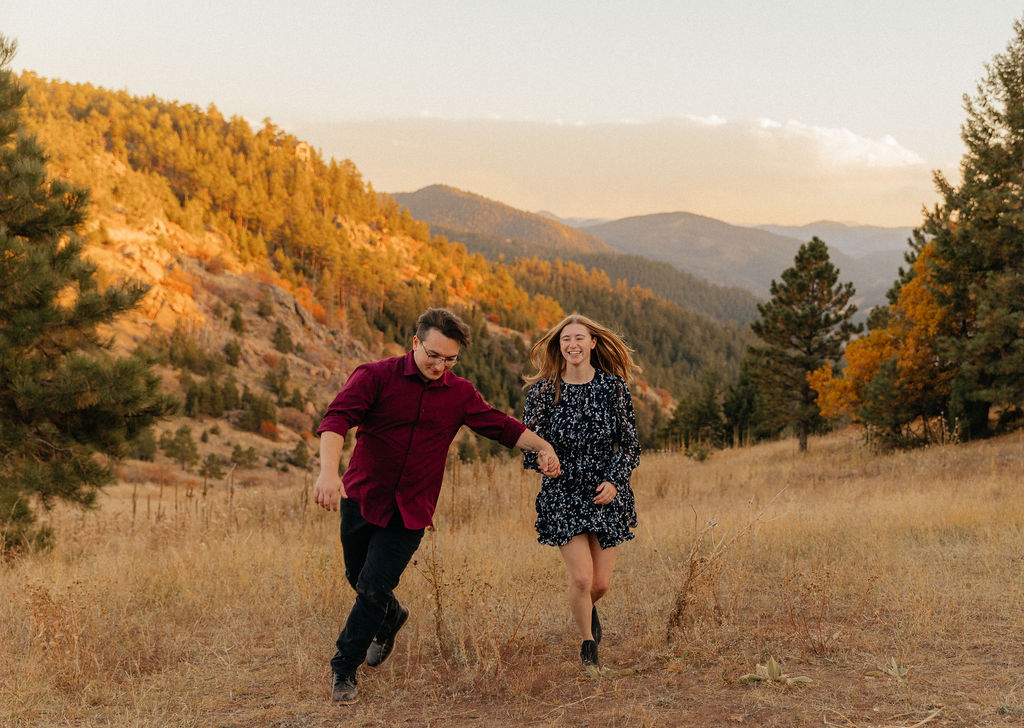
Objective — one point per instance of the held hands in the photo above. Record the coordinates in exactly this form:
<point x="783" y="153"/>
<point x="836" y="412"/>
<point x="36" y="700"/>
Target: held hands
<point x="548" y="463"/>
<point x="606" y="493"/>
<point x="327" y="489"/>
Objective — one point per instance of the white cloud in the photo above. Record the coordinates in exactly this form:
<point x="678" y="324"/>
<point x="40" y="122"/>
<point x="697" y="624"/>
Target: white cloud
<point x="713" y="120"/>
<point x="843" y="147"/>
<point x="828" y="146"/>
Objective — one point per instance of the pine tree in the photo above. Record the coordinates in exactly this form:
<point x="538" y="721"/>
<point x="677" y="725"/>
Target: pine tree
<point x="698" y="418"/>
<point x="180" y="446"/>
<point x="978" y="229"/>
<point x="804" y="325"/>
<point x="282" y="339"/>
<point x="68" y="408"/>
<point x="211" y="468"/>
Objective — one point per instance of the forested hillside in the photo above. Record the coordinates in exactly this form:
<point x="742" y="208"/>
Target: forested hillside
<point x="273" y="271"/>
<point x="352" y="256"/>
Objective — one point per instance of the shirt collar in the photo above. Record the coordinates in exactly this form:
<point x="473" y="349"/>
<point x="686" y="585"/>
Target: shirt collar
<point x="410" y="369"/>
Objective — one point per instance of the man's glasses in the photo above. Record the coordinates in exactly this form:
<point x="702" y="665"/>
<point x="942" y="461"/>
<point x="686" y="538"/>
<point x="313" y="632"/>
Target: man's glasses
<point x="448" y="361"/>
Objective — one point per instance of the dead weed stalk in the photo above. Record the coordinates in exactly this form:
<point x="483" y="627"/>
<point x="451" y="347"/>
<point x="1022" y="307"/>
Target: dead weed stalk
<point x="814" y="610"/>
<point x="702" y="572"/>
<point x="58" y="628"/>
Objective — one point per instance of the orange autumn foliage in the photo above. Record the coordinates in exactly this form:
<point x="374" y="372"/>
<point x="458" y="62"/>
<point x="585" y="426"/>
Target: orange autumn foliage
<point x="915" y="322"/>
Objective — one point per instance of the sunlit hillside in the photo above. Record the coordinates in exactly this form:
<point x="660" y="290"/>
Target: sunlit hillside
<point x="273" y="272"/>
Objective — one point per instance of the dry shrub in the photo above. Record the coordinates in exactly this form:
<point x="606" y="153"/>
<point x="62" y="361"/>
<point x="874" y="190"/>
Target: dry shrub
<point x="434" y="574"/>
<point x="215" y="265"/>
<point x="294" y="418"/>
<point x="58" y="629"/>
<point x="819" y="616"/>
<point x="698" y="598"/>
<point x="268" y="430"/>
<point x="156" y="473"/>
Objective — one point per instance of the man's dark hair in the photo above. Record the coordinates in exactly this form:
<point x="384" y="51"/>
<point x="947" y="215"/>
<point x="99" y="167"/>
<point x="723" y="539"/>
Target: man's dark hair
<point x="444" y="321"/>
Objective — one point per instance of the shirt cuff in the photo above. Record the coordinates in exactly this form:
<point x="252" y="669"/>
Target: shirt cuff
<point x="512" y="431"/>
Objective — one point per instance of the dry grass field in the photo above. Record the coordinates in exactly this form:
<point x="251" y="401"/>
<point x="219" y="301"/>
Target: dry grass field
<point x="893" y="582"/>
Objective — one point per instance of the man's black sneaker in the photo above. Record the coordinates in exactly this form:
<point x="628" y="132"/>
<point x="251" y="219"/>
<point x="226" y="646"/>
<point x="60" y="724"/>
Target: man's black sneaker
<point x="343" y="690"/>
<point x="383" y="644"/>
<point x="595" y="625"/>
<point x="588" y="653"/>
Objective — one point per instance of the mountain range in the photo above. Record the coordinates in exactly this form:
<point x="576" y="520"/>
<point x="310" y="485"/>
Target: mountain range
<point x="711" y="252"/>
<point x="500" y="232"/>
<point x="448" y="207"/>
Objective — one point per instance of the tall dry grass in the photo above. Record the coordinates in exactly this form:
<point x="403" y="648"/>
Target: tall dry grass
<point x="174" y="607"/>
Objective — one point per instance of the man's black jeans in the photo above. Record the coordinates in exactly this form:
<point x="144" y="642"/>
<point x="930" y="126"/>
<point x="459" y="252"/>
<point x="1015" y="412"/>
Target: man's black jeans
<point x="375" y="558"/>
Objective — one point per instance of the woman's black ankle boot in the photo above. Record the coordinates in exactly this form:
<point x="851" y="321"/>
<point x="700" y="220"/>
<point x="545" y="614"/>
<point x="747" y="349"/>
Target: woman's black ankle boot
<point x="588" y="653"/>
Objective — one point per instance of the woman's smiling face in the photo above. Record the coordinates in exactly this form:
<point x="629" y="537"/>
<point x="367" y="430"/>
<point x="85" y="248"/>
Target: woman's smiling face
<point x="576" y="344"/>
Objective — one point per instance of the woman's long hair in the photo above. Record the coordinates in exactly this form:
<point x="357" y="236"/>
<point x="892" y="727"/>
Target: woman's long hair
<point x="610" y="354"/>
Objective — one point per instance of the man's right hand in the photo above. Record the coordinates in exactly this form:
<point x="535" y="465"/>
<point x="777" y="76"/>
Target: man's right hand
<point x="327" y="491"/>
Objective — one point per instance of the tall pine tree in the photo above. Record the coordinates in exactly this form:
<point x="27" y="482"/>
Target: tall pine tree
<point x="68" y="408"/>
<point x="978" y="229"/>
<point x="805" y="324"/>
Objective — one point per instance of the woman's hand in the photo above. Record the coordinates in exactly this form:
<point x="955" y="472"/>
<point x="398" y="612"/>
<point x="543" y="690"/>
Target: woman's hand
<point x="606" y="493"/>
<point x="548" y="463"/>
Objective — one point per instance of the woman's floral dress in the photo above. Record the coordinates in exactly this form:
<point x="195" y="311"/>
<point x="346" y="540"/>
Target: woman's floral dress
<point x="593" y="432"/>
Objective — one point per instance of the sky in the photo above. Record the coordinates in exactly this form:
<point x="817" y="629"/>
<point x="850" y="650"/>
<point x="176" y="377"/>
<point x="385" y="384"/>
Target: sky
<point x="749" y="111"/>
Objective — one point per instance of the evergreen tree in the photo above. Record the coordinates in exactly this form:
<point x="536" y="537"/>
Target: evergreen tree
<point x="804" y="325"/>
<point x="211" y="468"/>
<point x="237" y="322"/>
<point x="978" y="231"/>
<point x="233" y="352"/>
<point x="143" y="447"/>
<point x="180" y="446"/>
<point x="282" y="338"/>
<point x="68" y="408"/>
<point x="299" y="456"/>
<point x="244" y="458"/>
<point x="698" y="418"/>
<point x="264" y="306"/>
<point x="743" y="408"/>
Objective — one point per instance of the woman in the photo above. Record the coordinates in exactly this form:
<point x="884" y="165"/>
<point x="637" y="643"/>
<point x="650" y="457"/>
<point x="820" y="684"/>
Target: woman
<point x="579" y="402"/>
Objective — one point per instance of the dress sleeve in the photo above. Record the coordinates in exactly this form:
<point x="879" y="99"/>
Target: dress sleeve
<point x="627" y="457"/>
<point x="535" y="416"/>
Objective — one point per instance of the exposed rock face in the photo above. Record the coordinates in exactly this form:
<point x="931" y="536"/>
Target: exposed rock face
<point x="159" y="256"/>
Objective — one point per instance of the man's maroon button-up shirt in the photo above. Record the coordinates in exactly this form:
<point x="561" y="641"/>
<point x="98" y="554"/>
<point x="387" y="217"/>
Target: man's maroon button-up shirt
<point x="405" y="426"/>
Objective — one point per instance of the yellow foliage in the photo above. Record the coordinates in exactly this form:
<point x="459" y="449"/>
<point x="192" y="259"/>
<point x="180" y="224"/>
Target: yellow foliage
<point x="915" y="322"/>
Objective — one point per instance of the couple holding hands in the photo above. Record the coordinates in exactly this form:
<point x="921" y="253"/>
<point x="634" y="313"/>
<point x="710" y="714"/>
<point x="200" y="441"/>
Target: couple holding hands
<point x="578" y="430"/>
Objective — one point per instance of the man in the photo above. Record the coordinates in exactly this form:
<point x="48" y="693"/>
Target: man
<point x="408" y="410"/>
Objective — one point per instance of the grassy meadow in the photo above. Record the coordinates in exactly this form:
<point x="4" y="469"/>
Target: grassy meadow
<point x="893" y="582"/>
